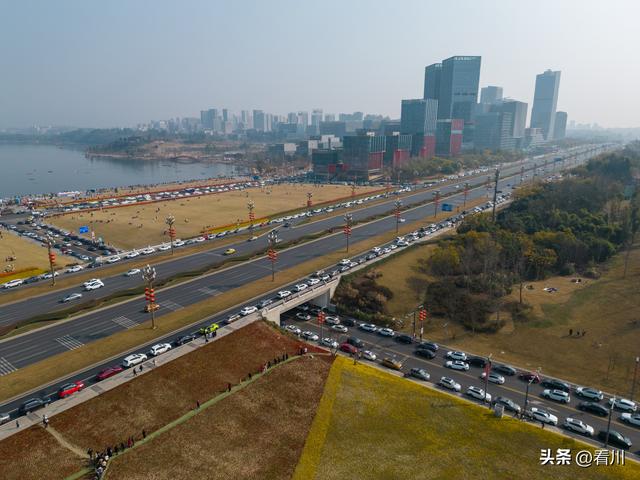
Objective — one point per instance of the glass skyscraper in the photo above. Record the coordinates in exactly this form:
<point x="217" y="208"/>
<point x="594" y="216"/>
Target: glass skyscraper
<point x="432" y="80"/>
<point x="545" y="100"/>
<point x="459" y="83"/>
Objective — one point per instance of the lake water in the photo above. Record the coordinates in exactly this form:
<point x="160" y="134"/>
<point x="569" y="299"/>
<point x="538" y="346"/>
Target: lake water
<point x="29" y="169"/>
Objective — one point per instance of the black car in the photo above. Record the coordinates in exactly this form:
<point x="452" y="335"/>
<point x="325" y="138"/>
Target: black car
<point x="616" y="439"/>
<point x="508" y="404"/>
<point x="595" y="408"/>
<point x="429" y="346"/>
<point x="348" y="322"/>
<point x="425" y="352"/>
<point x="404" y="338"/>
<point x="504" y="369"/>
<point x="31" y="279"/>
<point x="356" y="342"/>
<point x="92" y="248"/>
<point x="34" y="404"/>
<point x="556" y="384"/>
<point x="185" y="339"/>
<point x="476" y="361"/>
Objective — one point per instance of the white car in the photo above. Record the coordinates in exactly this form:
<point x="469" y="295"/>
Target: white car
<point x="293" y="329"/>
<point x="12" y="283"/>
<point x="401" y="243"/>
<point x="557" y="395"/>
<point x="329" y="342"/>
<point x="368" y="327"/>
<point x="369" y="355"/>
<point x="300" y="287"/>
<point x="590" y="393"/>
<point x="631" y="419"/>
<point x="453" y="355"/>
<point x="345" y="261"/>
<point x="543" y="416"/>
<point x="132" y="272"/>
<point x="132" y="254"/>
<point x="386" y="332"/>
<point x="457" y="365"/>
<point x="310" y="336"/>
<point x="284" y="293"/>
<point x="252" y="239"/>
<point x="113" y="259"/>
<point x="375" y="250"/>
<point x="248" y="310"/>
<point x="178" y="243"/>
<point x="148" y="251"/>
<point x="450" y="384"/>
<point x="93" y="284"/>
<point x="164" y="247"/>
<point x="133" y="360"/>
<point x="494" y="378"/>
<point x="339" y="328"/>
<point x="159" y="348"/>
<point x="71" y="297"/>
<point x="578" y="426"/>
<point x="479" y="394"/>
<point x="623" y="404"/>
<point x="74" y="269"/>
<point x="313" y="281"/>
<point x="332" y="320"/>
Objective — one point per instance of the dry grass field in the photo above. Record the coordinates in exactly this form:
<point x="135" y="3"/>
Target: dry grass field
<point x="255" y="433"/>
<point x="371" y="424"/>
<point x="142" y="225"/>
<point x="29" y="255"/>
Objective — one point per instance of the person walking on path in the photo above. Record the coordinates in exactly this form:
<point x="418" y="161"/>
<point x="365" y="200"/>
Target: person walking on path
<point x="17" y="424"/>
<point x="228" y="387"/>
<point x="144" y="434"/>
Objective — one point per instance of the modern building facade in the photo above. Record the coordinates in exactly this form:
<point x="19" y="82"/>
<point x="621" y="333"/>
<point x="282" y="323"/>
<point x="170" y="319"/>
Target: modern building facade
<point x="560" y="126"/>
<point x="545" y="100"/>
<point x="397" y="150"/>
<point x="449" y="136"/>
<point x="459" y="83"/>
<point x="490" y="95"/>
<point x="432" y="81"/>
<point x="327" y="164"/>
<point x="418" y="118"/>
<point x="518" y="111"/>
<point x="363" y="155"/>
<point x="493" y="131"/>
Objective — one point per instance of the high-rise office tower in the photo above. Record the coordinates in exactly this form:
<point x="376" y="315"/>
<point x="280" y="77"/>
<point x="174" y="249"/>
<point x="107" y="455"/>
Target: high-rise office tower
<point x="225" y="115"/>
<point x="490" y="95"/>
<point x="292" y="117"/>
<point x="545" y="100"/>
<point x="493" y="131"/>
<point x="432" y="80"/>
<point x="560" y="126"/>
<point x="259" y="122"/>
<point x="459" y="87"/>
<point x="418" y="118"/>
<point x="303" y="119"/>
<point x="518" y="111"/>
<point x="316" y="117"/>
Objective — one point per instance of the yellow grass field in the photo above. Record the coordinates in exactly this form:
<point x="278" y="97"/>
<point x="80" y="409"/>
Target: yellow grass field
<point x="140" y="225"/>
<point x="28" y="254"/>
<point x="371" y="424"/>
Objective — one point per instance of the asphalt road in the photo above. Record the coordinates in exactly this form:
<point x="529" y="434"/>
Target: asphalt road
<point x="20" y="351"/>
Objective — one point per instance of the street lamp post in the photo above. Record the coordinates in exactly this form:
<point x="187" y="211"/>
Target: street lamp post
<point x="251" y="206"/>
<point x="487" y="370"/>
<point x="466" y="192"/>
<point x="526" y="395"/>
<point x="169" y="221"/>
<point x="613" y="402"/>
<point x="398" y="204"/>
<point x="272" y="238"/>
<point x="436" y="199"/>
<point x="635" y="375"/>
<point x="309" y="201"/>
<point x="423" y="317"/>
<point x="347" y="228"/>
<point x="52" y="257"/>
<point x="149" y="276"/>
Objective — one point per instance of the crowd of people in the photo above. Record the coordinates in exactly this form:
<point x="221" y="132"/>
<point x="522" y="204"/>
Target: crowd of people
<point x="99" y="460"/>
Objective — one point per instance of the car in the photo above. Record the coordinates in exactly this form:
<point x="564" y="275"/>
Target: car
<point x="386" y="332"/>
<point x="339" y="328"/>
<point x="344" y="261"/>
<point x="456" y="365"/>
<point x="368" y="327"/>
<point x="589" y="393"/>
<point x="133" y="360"/>
<point x="455" y="355"/>
<point x="71" y="297"/>
<point x="293" y="329"/>
<point x="265" y="302"/>
<point x="310" y="336"/>
<point x="132" y="272"/>
<point x="419" y="373"/>
<point x="164" y="247"/>
<point x="113" y="259"/>
<point x="178" y="243"/>
<point x="508" y="404"/>
<point x="493" y="378"/>
<point x="229" y="251"/>
<point x="429" y="346"/>
<point x="425" y="353"/>
<point x="578" y="426"/>
<point x="356" y="342"/>
<point x="543" y="416"/>
<point x="252" y="239"/>
<point x="248" y="310"/>
<point x="109" y="372"/>
<point x="329" y="342"/>
<point x="615" y="439"/>
<point x="476" y="361"/>
<point x="347" y="347"/>
<point x="478" y="393"/>
<point x="407" y="339"/>
<point x="148" y="251"/>
<point x="532" y="377"/>
<point x="150" y="307"/>
<point x="313" y="281"/>
<point x="631" y="419"/>
<point x="93" y="284"/>
<point x="595" y="408"/>
<point x="557" y="395"/>
<point x="332" y="320"/>
<point x="74" y="269"/>
<point x="132" y="254"/>
<point x="185" y="339"/>
<point x="554" y="384"/>
<point x="391" y="363"/>
<point x="504" y="369"/>
<point x="209" y="329"/>
<point x="450" y="384"/>
<point x="12" y="283"/>
<point x="302" y="316"/>
<point x="34" y="404"/>
<point x="623" y="404"/>
<point x="300" y="287"/>
<point x="369" y="355"/>
<point x="4" y="418"/>
<point x="284" y="293"/>
<point x="348" y="322"/>
<point x="159" y="349"/>
<point x="70" y="389"/>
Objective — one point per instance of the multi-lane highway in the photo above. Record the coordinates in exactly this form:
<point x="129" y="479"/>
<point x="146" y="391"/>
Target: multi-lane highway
<point x="17" y="352"/>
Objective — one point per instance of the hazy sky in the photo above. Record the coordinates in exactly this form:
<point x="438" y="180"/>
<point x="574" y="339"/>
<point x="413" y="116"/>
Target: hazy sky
<point x="120" y="62"/>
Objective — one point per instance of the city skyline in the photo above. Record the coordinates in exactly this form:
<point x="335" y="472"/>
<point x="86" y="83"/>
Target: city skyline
<point x="138" y="63"/>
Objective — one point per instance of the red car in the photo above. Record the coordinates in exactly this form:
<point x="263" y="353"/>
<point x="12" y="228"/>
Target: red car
<point x="532" y="377"/>
<point x="109" y="372"/>
<point x="70" y="388"/>
<point x="347" y="347"/>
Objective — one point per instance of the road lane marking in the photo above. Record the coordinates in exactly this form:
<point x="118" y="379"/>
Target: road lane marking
<point x="173" y="306"/>
<point x="6" y="367"/>
<point x="125" y="322"/>
<point x="209" y="291"/>
<point x="69" y="342"/>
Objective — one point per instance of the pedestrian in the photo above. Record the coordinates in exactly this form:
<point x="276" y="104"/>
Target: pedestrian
<point x="197" y="404"/>
<point x="17" y="424"/>
<point x="571" y="332"/>
<point x="144" y="434"/>
<point x="584" y="332"/>
<point x="543" y="424"/>
<point x="140" y="368"/>
<point x="249" y="375"/>
<point x="90" y="453"/>
<point x="129" y="443"/>
<point x="228" y="387"/>
<point x="154" y="363"/>
<point x="135" y="372"/>
<point x="206" y="338"/>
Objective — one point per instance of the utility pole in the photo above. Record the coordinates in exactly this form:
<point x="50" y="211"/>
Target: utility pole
<point x="149" y="276"/>
<point x="52" y="258"/>
<point x="353" y="188"/>
<point x="436" y="200"/>
<point x="423" y="317"/>
<point x="309" y="201"/>
<point x="321" y="317"/>
<point x="613" y="402"/>
<point x="398" y="204"/>
<point x="272" y="238"/>
<point x="170" y="220"/>
<point x="526" y="395"/>
<point x="251" y="206"/>
<point x="495" y="196"/>
<point x="347" y="227"/>
<point x="635" y="376"/>
<point x="487" y="370"/>
<point x="466" y="192"/>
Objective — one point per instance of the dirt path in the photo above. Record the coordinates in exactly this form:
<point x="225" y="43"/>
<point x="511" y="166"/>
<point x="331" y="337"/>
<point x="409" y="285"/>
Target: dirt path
<point x="64" y="442"/>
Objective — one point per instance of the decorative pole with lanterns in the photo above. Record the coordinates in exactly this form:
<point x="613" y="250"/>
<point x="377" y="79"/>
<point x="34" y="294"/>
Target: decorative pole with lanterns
<point x="149" y="276"/>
